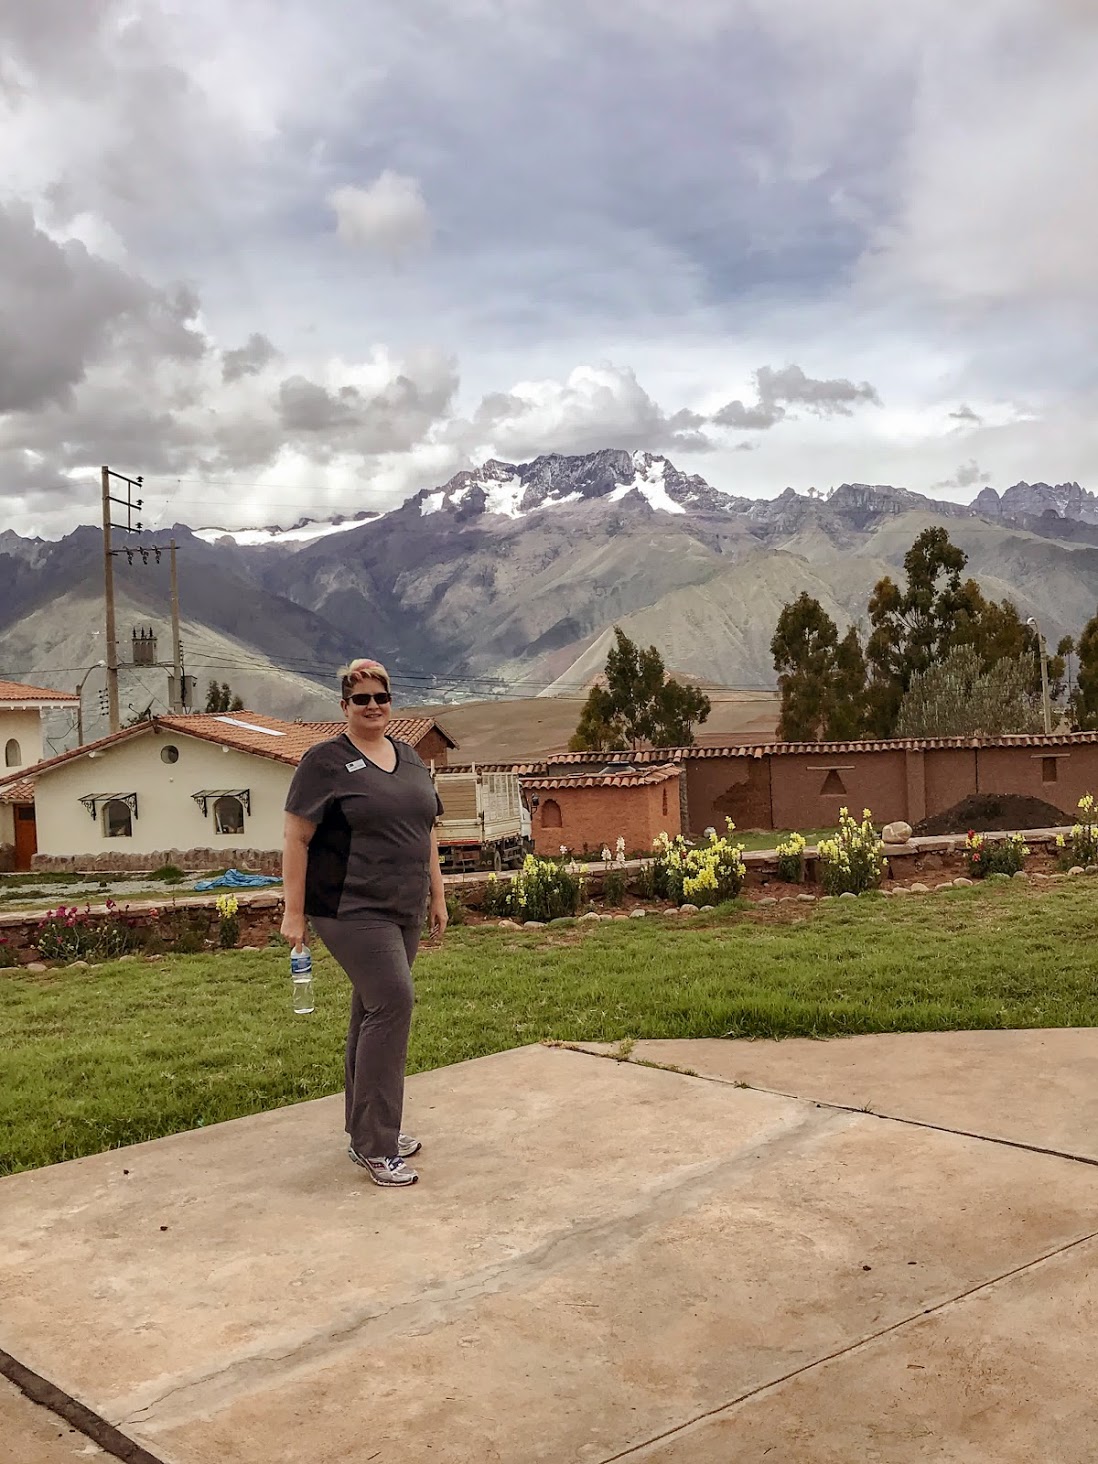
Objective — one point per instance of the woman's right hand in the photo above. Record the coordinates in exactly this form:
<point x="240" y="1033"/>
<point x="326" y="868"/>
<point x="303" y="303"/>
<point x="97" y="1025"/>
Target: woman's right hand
<point x="293" y="929"/>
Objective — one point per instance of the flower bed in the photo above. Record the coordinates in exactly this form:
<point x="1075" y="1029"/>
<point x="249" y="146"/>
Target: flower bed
<point x="102" y="933"/>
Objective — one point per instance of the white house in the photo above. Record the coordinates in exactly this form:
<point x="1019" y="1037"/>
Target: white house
<point x="197" y="790"/>
<point x="22" y="710"/>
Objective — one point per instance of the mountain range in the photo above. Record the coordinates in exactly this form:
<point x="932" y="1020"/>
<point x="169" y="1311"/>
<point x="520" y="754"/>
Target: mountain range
<point x="509" y="578"/>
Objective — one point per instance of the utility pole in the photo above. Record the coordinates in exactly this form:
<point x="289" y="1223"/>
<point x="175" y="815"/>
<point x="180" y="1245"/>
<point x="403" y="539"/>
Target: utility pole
<point x="177" y="646"/>
<point x="108" y="596"/>
<point x="129" y="527"/>
<point x="1046" y="705"/>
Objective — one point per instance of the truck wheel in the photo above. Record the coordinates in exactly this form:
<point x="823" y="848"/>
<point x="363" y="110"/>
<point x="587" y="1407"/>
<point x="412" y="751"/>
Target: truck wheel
<point x="497" y="862"/>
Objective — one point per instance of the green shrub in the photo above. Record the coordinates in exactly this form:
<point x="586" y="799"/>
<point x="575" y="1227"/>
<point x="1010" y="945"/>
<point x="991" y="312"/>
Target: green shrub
<point x="8" y="957"/>
<point x="1082" y="845"/>
<point x="456" y="911"/>
<point x="704" y="873"/>
<point x="184" y="932"/>
<point x="853" y="861"/>
<point x="790" y="854"/>
<point x="647" y="878"/>
<point x="543" y="889"/>
<point x="614" y="887"/>
<point x="169" y="873"/>
<point x="228" y="921"/>
<point x="1005" y="856"/>
<point x="71" y="934"/>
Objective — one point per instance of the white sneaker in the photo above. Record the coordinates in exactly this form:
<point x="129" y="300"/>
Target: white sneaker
<point x="386" y="1171"/>
<point x="407" y="1146"/>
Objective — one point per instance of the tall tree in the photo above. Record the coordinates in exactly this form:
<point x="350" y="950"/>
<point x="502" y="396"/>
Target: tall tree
<point x="639" y="703"/>
<point x="847" y="707"/>
<point x="821" y="679"/>
<point x="960" y="696"/>
<point x="222" y="699"/>
<point x="914" y="627"/>
<point x="1084" y="702"/>
<point x="998" y="632"/>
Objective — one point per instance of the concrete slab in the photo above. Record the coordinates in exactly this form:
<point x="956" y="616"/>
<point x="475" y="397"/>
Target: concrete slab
<point x="33" y="1435"/>
<point x="1006" y="1377"/>
<point x="1027" y="1087"/>
<point x="599" y="1254"/>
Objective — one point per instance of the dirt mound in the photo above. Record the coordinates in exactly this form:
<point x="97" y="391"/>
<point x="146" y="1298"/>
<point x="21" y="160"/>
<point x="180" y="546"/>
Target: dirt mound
<point x="993" y="812"/>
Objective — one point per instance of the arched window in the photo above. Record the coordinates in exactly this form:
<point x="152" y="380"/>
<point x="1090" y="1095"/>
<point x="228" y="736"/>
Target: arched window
<point x="13" y="754"/>
<point x="117" y="819"/>
<point x="550" y="814"/>
<point x="228" y="814"/>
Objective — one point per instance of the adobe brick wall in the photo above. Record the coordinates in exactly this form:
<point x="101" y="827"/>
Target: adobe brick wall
<point x="806" y="790"/>
<point x="433" y="747"/>
<point x="735" y="788"/>
<point x="1025" y="770"/>
<point x="592" y="817"/>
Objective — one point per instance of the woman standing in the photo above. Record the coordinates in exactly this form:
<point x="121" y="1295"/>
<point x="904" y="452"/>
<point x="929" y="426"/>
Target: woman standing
<point x="360" y="859"/>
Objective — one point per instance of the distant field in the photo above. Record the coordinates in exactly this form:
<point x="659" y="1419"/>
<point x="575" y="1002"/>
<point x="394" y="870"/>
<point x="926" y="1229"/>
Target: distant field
<point x="506" y="731"/>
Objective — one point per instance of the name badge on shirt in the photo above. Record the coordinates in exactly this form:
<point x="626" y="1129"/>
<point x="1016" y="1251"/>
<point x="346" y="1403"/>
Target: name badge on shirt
<point x="359" y="762"/>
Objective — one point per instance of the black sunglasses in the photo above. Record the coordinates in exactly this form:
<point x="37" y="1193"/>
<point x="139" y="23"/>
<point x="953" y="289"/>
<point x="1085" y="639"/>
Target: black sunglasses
<point x="364" y="698"/>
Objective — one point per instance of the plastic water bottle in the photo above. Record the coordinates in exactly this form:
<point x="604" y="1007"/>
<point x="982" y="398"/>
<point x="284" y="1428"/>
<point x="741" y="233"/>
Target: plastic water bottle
<point x="301" y="971"/>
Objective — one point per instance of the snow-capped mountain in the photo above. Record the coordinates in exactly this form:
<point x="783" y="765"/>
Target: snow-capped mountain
<point x="554" y="481"/>
<point x="305" y="531"/>
<point x="510" y="575"/>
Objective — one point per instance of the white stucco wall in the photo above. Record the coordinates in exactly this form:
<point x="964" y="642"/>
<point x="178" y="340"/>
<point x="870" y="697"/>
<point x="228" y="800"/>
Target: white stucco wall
<point x="167" y="815"/>
<point x="26" y="728"/>
<point x="7" y="824"/>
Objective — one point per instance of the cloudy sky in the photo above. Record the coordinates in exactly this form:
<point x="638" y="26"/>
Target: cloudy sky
<point x="290" y="258"/>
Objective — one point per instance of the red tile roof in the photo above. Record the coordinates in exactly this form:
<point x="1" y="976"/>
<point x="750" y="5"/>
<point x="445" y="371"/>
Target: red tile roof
<point x="646" y="779"/>
<point x="247" y="731"/>
<point x="405" y="729"/>
<point x="21" y="790"/>
<point x="666" y="755"/>
<point x="16" y="691"/>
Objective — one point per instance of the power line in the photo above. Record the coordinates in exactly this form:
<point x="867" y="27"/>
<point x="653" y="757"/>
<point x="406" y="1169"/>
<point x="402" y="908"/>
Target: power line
<point x="421" y="681"/>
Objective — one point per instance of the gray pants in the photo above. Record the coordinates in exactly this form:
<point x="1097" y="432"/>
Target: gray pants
<point x="377" y="956"/>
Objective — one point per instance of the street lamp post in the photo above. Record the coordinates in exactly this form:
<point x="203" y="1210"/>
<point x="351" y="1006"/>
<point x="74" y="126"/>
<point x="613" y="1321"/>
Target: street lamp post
<point x="80" y="702"/>
<point x="1046" y="707"/>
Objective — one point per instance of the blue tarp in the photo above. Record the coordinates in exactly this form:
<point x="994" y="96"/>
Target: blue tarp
<point x="233" y="879"/>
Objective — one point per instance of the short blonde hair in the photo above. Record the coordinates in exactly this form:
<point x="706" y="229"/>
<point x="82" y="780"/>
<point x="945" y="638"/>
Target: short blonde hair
<point x="362" y="669"/>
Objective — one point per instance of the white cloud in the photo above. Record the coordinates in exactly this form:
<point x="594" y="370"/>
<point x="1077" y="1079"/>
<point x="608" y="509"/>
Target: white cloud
<point x="995" y="202"/>
<point x="789" y="386"/>
<point x="968" y="475"/>
<point x="901" y="196"/>
<point x="390" y="216"/>
<point x="592" y="408"/>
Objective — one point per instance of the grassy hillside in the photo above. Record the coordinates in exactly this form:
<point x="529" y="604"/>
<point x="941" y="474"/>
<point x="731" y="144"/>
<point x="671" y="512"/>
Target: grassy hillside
<point x="502" y="731"/>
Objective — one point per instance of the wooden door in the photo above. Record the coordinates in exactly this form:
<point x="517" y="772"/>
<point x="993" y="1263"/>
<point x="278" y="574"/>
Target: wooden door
<point x="26" y="835"/>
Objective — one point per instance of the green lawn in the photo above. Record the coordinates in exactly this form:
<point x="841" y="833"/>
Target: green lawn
<point x="95" y="1059"/>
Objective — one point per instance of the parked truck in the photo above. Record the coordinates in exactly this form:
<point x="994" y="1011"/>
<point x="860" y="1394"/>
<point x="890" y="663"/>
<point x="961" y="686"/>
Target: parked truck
<point x="485" y="824"/>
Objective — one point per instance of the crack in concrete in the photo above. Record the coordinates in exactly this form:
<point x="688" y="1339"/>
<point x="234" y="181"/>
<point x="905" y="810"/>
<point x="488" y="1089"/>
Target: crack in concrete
<point x="864" y="1111"/>
<point x="679" y="1430"/>
<point x="673" y="1197"/>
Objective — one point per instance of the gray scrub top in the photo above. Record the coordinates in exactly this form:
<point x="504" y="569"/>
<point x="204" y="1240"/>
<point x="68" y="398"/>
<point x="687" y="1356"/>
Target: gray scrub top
<point x="369" y="858"/>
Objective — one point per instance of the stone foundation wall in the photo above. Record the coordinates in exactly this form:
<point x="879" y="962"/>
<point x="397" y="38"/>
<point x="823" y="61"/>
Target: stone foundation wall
<point x="7" y="858"/>
<point x="255" y="861"/>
